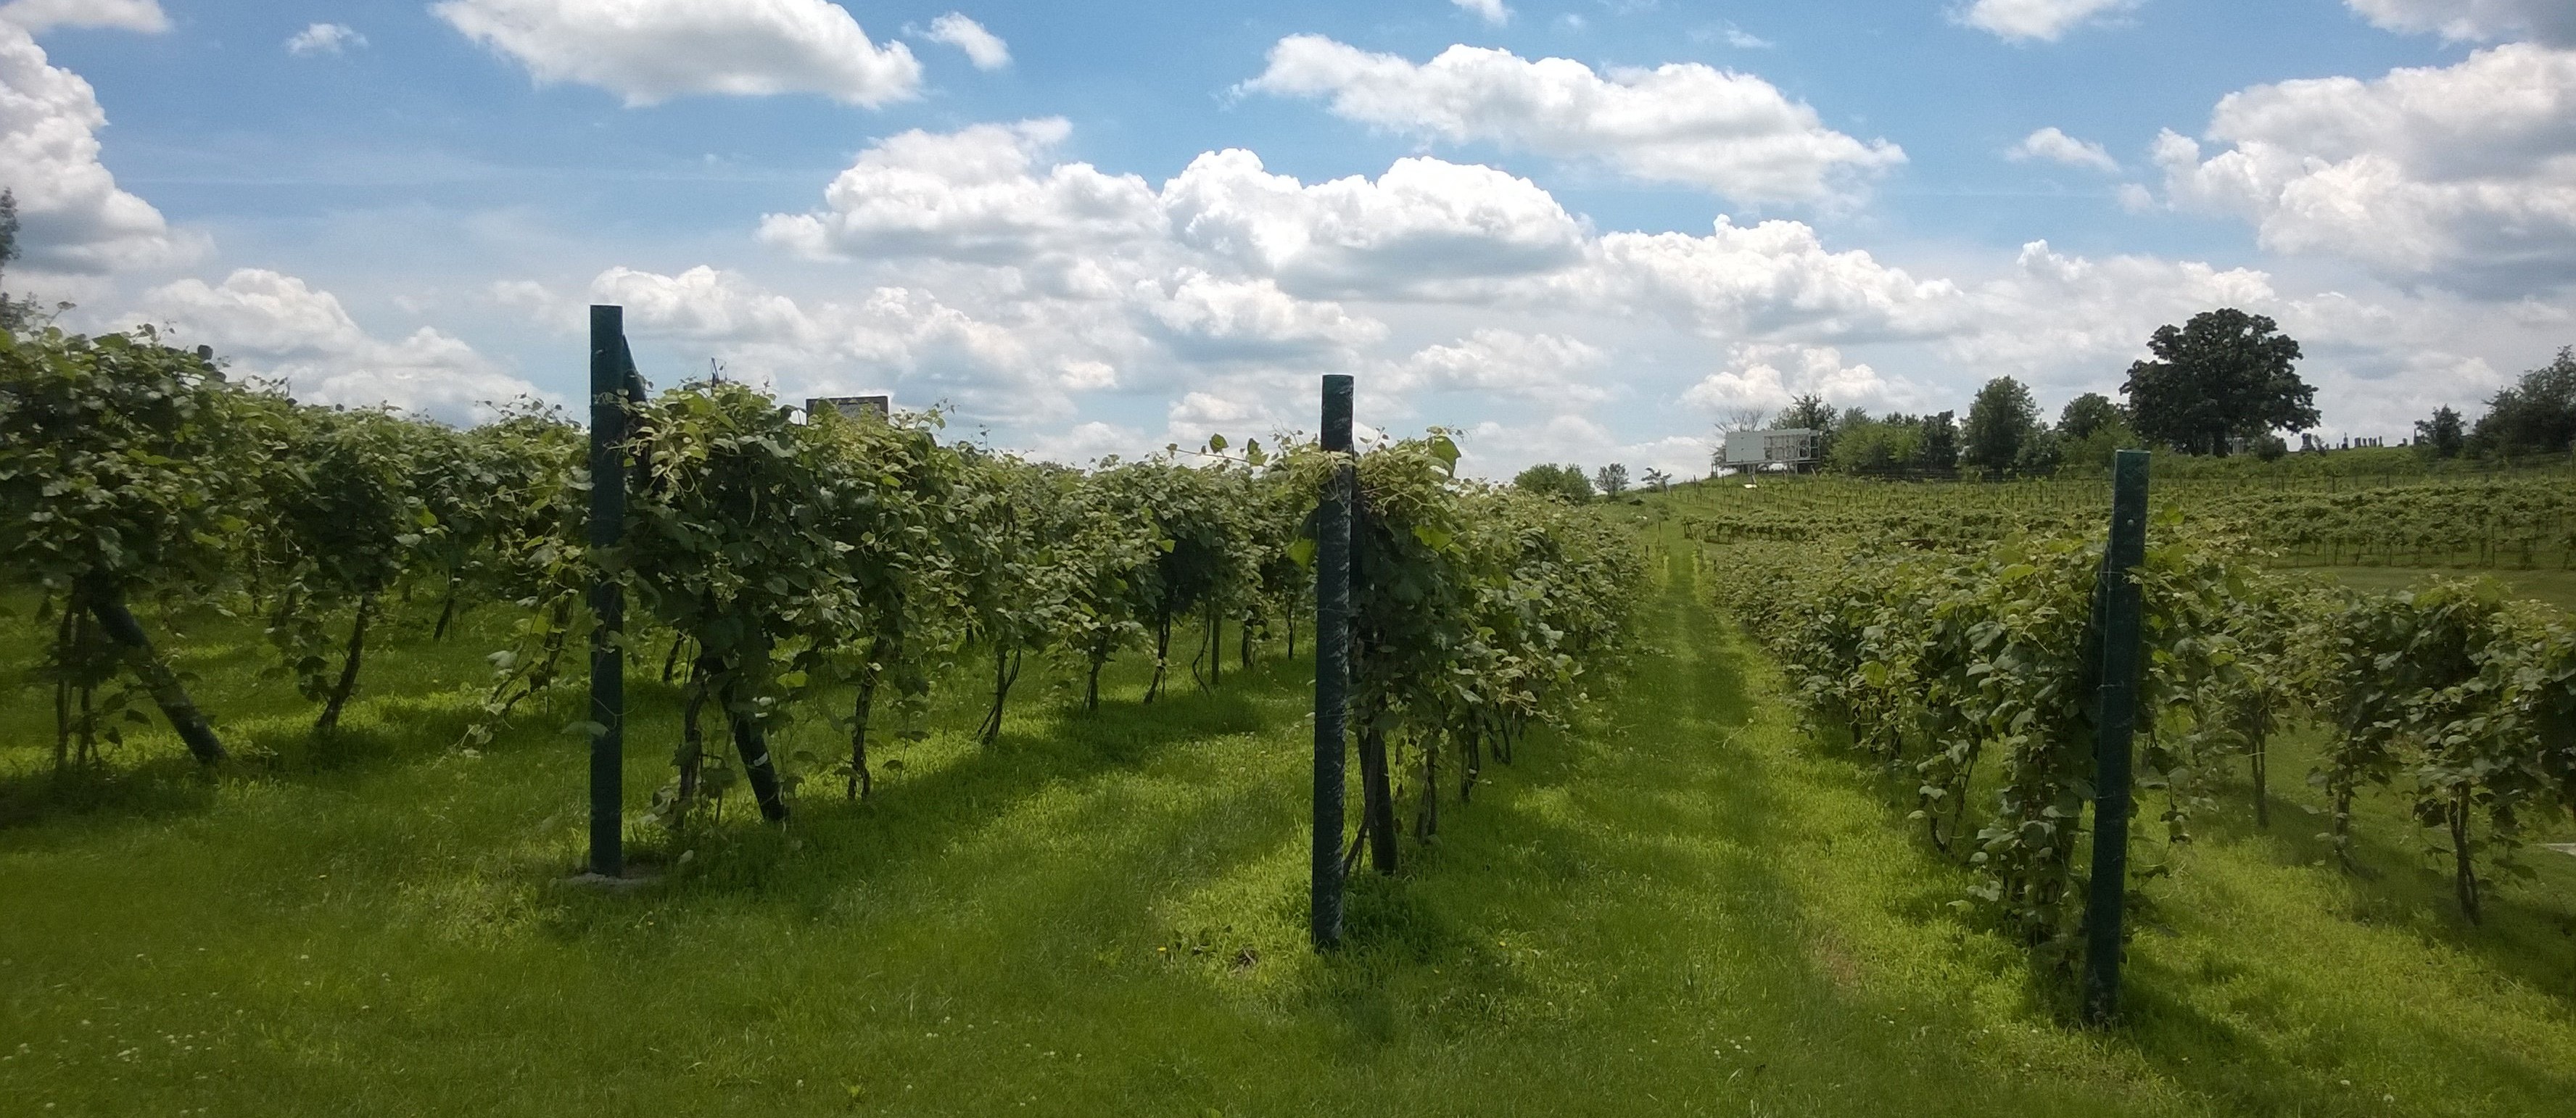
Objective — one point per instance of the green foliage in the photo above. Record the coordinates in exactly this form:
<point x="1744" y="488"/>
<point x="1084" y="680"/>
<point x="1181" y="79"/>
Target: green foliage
<point x="2002" y="424"/>
<point x="123" y="462"/>
<point x="2535" y="416"/>
<point x="1611" y="480"/>
<point x="2442" y="436"/>
<point x="1566" y="483"/>
<point x="2087" y="414"/>
<point x="2223" y="375"/>
<point x="1969" y="643"/>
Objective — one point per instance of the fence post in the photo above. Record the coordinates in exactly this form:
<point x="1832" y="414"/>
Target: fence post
<point x="2114" y="725"/>
<point x="609" y="372"/>
<point x="1332" y="665"/>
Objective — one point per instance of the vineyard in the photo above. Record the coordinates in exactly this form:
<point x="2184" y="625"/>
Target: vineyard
<point x="980" y="784"/>
<point x="1948" y="643"/>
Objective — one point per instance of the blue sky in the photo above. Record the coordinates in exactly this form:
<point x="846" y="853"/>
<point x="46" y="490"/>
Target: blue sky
<point x="1582" y="230"/>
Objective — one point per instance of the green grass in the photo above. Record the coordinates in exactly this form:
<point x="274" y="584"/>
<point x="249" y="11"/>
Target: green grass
<point x="1681" y="904"/>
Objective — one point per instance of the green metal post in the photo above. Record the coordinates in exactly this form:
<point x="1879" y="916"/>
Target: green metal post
<point x="2115" y="723"/>
<point x="610" y="372"/>
<point x="1332" y="667"/>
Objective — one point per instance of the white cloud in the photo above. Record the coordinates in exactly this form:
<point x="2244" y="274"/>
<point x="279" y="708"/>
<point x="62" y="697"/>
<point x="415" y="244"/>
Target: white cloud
<point x="2462" y="174"/>
<point x="75" y="219"/>
<point x="1213" y="318"/>
<point x="40" y="16"/>
<point x="898" y="339"/>
<point x="1770" y="280"/>
<point x="1685" y="123"/>
<point x="324" y="38"/>
<point x="1424" y="229"/>
<point x="649" y="51"/>
<point x="2055" y="316"/>
<point x="278" y="326"/>
<point x="1491" y="11"/>
<point x="2477" y="21"/>
<point x="983" y="48"/>
<point x="2045" y="20"/>
<point x="1544" y="367"/>
<point x="2058" y="147"/>
<point x="1218" y="293"/>
<point x="973" y="194"/>
<point x="1770" y="376"/>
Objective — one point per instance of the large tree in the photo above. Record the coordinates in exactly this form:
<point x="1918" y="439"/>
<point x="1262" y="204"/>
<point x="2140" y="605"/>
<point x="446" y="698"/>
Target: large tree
<point x="2224" y="375"/>
<point x="2000" y="421"/>
<point x="2086" y="414"/>
<point x="2536" y="415"/>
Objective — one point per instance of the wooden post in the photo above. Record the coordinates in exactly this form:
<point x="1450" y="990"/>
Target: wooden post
<point x="1332" y="667"/>
<point x="2114" y="725"/>
<point x="609" y="393"/>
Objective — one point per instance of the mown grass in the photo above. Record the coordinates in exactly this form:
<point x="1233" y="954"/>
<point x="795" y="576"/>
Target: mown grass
<point x="1681" y="904"/>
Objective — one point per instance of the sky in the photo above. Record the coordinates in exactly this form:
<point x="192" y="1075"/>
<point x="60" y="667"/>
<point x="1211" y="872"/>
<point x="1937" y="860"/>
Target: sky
<point x="1585" y="230"/>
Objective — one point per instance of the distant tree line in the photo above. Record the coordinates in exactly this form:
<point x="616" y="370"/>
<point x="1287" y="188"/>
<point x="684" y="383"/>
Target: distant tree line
<point x="2535" y="415"/>
<point x="2223" y="383"/>
<point x="1568" y="482"/>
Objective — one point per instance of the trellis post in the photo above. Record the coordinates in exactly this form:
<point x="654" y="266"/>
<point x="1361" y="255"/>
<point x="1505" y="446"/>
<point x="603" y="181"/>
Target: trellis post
<point x="2115" y="724"/>
<point x="610" y="374"/>
<point x="1332" y="664"/>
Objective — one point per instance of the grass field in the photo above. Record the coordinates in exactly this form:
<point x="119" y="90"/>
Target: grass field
<point x="1682" y="904"/>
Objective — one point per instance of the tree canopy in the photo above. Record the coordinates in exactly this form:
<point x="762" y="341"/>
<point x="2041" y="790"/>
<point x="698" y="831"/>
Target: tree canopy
<point x="2222" y="376"/>
<point x="2536" y="415"/>
<point x="1565" y="483"/>
<point x="2002" y="422"/>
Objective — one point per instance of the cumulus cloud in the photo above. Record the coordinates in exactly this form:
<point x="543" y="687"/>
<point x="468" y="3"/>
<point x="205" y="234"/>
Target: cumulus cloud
<point x="1492" y="11"/>
<point x="2054" y="315"/>
<point x="2475" y="21"/>
<point x="1686" y="123"/>
<point x="75" y="219"/>
<point x="1209" y="317"/>
<point x="898" y="339"/>
<point x="2058" y="147"/>
<point x="2043" y="20"/>
<point x="1544" y="367"/>
<point x="324" y="38"/>
<point x="1222" y="290"/>
<point x="983" y="48"/>
<point x="1769" y="376"/>
<point x="649" y="51"/>
<point x="40" y="16"/>
<point x="278" y="326"/>
<point x="1424" y="229"/>
<point x="975" y="194"/>
<point x="2462" y="174"/>
<point x="1768" y="280"/>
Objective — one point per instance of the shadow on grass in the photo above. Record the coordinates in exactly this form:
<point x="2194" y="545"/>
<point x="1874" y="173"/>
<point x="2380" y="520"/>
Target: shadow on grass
<point x="2525" y="930"/>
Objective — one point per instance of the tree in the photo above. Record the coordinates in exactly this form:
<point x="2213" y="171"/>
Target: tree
<point x="1939" y="449"/>
<point x="2535" y="416"/>
<point x="1565" y="483"/>
<point x="2088" y="413"/>
<point x="2443" y="435"/>
<point x="1612" y="479"/>
<point x="2003" y="418"/>
<point x="15" y="314"/>
<point x="2222" y="376"/>
<point x="1657" y="480"/>
<point x="1876" y="446"/>
<point x="1809" y="412"/>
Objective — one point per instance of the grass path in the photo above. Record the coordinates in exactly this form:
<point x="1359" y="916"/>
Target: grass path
<point x="1679" y="906"/>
